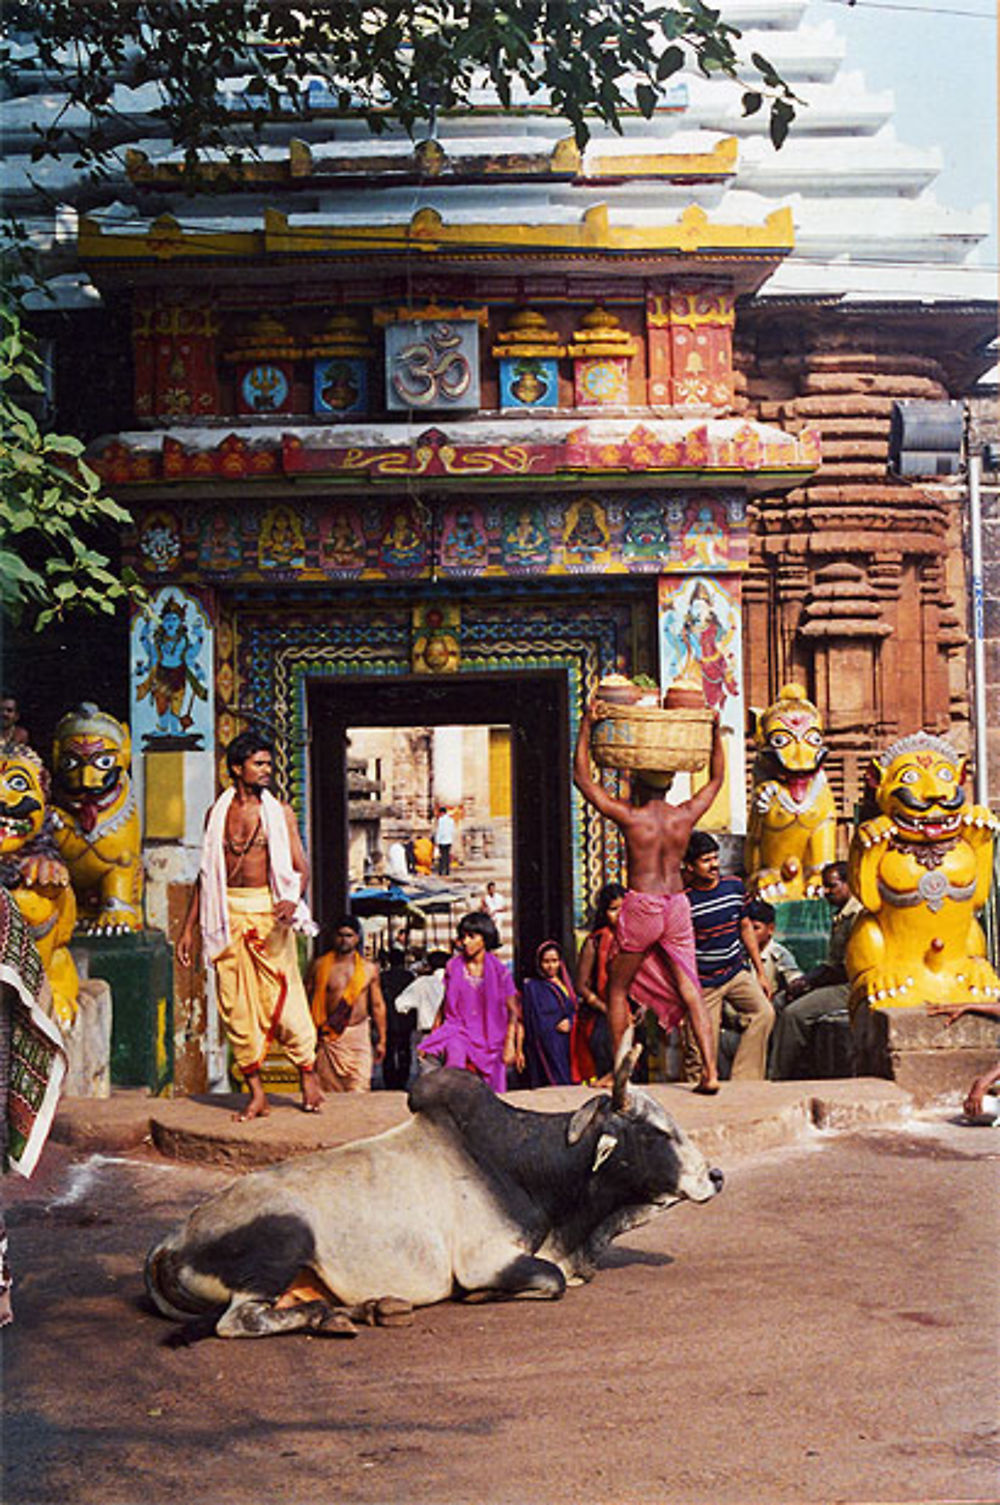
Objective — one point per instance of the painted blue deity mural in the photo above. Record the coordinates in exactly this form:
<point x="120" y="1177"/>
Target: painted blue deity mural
<point x="172" y="673"/>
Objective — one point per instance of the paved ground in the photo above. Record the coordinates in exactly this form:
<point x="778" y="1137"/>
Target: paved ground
<point x="826" y="1330"/>
<point x="746" y="1116"/>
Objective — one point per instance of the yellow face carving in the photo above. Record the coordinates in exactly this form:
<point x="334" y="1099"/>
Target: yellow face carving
<point x="22" y="800"/>
<point x="91" y="754"/>
<point x="920" y="788"/>
<point x="791" y="731"/>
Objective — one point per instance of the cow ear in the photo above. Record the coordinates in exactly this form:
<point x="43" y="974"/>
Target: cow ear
<point x="583" y="1118"/>
<point x="606" y="1145"/>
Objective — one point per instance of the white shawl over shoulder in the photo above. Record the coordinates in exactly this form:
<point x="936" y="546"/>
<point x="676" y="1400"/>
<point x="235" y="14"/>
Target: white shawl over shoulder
<point x="285" y="882"/>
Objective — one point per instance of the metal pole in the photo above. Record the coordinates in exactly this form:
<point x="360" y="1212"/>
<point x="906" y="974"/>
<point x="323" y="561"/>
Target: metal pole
<point x="978" y="631"/>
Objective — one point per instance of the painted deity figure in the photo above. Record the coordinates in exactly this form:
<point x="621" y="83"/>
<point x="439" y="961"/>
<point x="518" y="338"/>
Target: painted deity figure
<point x="96" y="820"/>
<point x="524" y="539"/>
<point x="792" y="830"/>
<point x="220" y="547"/>
<point x="586" y="536"/>
<point x="35" y="876"/>
<point x="922" y="869"/>
<point x="705" y="643"/>
<point x="281" y="544"/>
<point x="171" y="673"/>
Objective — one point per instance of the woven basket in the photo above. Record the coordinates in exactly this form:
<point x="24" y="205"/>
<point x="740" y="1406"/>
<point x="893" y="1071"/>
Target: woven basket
<point x="644" y="737"/>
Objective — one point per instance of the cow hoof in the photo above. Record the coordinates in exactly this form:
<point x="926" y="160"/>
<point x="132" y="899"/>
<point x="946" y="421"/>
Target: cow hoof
<point x="335" y="1324"/>
<point x="393" y="1311"/>
<point x="386" y="1311"/>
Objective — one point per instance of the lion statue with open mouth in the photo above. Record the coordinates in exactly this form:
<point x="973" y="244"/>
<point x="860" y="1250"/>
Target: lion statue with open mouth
<point x="96" y="819"/>
<point x="922" y="869"/>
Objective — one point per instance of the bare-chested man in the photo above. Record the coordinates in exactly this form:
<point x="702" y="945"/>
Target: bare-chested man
<point x="248" y="898"/>
<point x="345" y="990"/>
<point x="655" y="960"/>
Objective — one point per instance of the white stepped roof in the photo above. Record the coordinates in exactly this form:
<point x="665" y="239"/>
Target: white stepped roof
<point x="868" y="224"/>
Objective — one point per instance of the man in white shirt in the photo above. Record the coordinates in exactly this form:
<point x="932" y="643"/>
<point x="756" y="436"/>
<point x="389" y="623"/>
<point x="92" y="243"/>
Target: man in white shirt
<point x="444" y="836"/>
<point x="493" y="903"/>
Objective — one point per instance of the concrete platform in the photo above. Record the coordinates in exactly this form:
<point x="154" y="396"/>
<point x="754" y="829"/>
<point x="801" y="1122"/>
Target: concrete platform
<point x="745" y="1118"/>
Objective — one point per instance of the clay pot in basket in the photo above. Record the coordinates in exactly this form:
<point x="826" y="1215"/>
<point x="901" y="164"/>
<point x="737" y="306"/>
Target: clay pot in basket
<point x="684" y="695"/>
<point x="615" y="689"/>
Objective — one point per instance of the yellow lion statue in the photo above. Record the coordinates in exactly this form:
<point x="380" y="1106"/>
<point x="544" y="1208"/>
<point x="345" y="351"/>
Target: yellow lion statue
<point x="32" y="873"/>
<point x="96" y="820"/>
<point x="792" y="831"/>
<point x="921" y="869"/>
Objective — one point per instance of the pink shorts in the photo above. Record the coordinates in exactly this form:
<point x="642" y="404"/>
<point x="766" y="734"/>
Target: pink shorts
<point x="659" y="925"/>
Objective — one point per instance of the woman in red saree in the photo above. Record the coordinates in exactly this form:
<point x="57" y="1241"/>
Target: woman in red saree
<point x="590" y="1043"/>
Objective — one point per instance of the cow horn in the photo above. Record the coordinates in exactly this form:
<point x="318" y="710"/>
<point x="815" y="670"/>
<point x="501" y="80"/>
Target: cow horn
<point x="625" y="1061"/>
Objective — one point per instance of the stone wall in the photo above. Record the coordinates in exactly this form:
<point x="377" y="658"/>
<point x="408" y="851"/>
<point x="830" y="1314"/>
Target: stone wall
<point x="856" y="585"/>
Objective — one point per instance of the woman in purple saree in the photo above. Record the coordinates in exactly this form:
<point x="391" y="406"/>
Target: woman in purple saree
<point x="478" y="1025"/>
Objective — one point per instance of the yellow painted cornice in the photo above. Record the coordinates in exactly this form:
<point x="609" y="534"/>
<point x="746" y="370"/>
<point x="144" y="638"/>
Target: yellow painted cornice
<point x="165" y="240"/>
<point x="427" y="232"/>
<point x="721" y="161"/>
<point x="693" y="234"/>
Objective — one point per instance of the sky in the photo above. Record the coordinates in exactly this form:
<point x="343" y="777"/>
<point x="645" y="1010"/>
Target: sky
<point x="942" y="67"/>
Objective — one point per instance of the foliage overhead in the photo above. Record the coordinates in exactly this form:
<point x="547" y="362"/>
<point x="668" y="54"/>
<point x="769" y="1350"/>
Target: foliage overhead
<point x="402" y="59"/>
<point x="50" y="564"/>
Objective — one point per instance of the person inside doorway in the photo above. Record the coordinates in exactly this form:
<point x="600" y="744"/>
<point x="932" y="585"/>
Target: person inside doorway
<point x="494" y="904"/>
<point x="423" y="855"/>
<point x="444" y="836"/>
<point x="478" y="1026"/>
<point x="395" y="979"/>
<point x="346" y="1000"/>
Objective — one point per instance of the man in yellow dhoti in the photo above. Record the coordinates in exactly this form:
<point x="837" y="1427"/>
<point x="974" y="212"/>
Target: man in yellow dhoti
<point x="248" y="902"/>
<point x="345" y="989"/>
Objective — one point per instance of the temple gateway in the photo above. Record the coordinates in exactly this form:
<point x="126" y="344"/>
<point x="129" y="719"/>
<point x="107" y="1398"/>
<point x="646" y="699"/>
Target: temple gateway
<point x="438" y="433"/>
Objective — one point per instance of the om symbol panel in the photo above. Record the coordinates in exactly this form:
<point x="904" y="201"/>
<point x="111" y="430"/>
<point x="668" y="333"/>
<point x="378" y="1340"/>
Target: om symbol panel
<point x="432" y="365"/>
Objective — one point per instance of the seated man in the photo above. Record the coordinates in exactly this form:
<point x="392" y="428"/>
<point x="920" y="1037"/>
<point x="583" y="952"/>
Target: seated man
<point x="780" y="969"/>
<point x="820" y="992"/>
<point x="780" y="966"/>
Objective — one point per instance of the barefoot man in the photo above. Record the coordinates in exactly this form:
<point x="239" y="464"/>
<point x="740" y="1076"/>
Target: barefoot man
<point x="247" y="902"/>
<point x="345" y="989"/>
<point x="656" y="960"/>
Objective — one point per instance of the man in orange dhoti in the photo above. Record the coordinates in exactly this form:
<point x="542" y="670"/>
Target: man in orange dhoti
<point x="247" y="902"/>
<point x="345" y="989"/>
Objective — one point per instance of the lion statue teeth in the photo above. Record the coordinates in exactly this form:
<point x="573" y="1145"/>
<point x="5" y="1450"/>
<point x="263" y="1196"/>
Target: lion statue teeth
<point x="96" y="819"/>
<point x="922" y="869"/>
<point x="36" y="879"/>
<point x="792" y="830"/>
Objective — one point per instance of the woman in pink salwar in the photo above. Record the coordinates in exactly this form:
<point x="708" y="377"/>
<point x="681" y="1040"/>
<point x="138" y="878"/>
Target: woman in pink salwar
<point x="478" y="1026"/>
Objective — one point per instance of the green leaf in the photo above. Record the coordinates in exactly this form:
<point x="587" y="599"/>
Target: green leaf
<point x="670" y="61"/>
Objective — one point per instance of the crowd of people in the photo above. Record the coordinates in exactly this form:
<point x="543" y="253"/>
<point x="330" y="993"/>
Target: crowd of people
<point x="680" y="944"/>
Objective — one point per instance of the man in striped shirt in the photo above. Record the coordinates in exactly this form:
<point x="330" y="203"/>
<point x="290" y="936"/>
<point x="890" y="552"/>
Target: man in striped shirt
<point x="724" y="937"/>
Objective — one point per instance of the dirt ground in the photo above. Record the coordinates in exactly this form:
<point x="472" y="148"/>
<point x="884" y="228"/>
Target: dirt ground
<point x="826" y="1330"/>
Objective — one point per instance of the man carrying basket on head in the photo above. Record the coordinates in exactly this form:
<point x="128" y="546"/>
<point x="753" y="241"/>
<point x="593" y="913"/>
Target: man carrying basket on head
<point x="656" y="958"/>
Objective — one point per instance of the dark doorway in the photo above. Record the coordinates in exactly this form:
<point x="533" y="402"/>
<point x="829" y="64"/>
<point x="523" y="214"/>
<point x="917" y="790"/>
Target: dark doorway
<point x="534" y="706"/>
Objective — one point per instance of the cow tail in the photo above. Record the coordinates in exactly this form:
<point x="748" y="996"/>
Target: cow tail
<point x="167" y="1290"/>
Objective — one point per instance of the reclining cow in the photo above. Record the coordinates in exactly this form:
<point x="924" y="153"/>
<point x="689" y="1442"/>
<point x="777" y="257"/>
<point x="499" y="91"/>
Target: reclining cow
<point x="469" y="1197"/>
